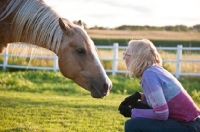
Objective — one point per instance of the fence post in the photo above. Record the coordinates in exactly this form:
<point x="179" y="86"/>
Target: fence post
<point x="115" y="57"/>
<point x="178" y="60"/>
<point x="5" y="59"/>
<point x="55" y="65"/>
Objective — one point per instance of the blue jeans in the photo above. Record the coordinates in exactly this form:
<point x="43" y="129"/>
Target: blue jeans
<point x="149" y="125"/>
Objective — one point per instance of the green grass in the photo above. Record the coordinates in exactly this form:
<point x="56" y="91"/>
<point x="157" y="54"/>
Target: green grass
<point x="50" y="112"/>
<point x="45" y="101"/>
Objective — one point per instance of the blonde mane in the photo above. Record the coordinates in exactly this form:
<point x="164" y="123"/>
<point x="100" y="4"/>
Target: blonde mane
<point x="35" y="23"/>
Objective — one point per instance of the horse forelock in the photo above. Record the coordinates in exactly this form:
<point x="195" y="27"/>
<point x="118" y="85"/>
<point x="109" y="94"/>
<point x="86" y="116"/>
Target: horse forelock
<point x="36" y="23"/>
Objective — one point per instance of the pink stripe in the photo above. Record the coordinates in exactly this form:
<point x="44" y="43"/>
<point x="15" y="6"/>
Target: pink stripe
<point x="161" y="108"/>
<point x="183" y="108"/>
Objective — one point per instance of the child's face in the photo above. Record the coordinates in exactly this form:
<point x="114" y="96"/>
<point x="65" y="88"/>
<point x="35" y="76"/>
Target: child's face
<point x="127" y="56"/>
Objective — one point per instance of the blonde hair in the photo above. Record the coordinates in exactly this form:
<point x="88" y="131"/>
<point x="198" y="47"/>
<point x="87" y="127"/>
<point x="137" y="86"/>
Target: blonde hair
<point x="143" y="55"/>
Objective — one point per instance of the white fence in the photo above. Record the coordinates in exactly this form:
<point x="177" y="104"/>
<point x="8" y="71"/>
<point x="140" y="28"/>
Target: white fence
<point x="115" y="48"/>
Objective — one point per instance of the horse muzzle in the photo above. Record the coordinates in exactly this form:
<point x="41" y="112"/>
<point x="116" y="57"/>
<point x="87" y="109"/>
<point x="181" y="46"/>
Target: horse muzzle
<point x="101" y="92"/>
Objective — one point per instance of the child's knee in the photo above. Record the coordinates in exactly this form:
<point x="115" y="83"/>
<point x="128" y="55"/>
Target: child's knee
<point x="128" y="126"/>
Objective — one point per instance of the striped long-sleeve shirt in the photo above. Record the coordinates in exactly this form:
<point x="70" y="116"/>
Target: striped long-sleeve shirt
<point x="168" y="99"/>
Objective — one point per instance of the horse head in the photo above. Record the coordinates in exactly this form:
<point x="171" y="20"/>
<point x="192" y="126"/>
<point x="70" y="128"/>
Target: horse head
<point x="78" y="60"/>
<point x="34" y="22"/>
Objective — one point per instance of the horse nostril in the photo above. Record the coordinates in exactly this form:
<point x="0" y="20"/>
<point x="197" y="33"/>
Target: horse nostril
<point x="105" y="88"/>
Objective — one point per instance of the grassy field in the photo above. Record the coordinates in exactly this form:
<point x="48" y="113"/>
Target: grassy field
<point x="159" y="38"/>
<point x="25" y="56"/>
<point x="155" y="35"/>
<point x="45" y="101"/>
<point x="39" y="112"/>
<point x="192" y="67"/>
<point x="188" y="67"/>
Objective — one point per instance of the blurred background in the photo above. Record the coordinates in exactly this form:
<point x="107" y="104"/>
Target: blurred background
<point x="166" y="23"/>
<point x="115" y="13"/>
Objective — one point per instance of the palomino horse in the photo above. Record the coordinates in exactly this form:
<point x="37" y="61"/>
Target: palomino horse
<point x="33" y="22"/>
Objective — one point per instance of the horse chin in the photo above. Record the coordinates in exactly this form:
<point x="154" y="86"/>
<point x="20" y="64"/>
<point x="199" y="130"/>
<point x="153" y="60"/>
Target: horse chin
<point x="98" y="94"/>
<point x="98" y="87"/>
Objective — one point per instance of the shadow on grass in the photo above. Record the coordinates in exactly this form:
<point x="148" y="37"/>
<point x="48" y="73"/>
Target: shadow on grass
<point x="17" y="129"/>
<point x="25" y="103"/>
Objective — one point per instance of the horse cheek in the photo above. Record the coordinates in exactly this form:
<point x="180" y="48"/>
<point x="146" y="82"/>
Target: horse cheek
<point x="64" y="68"/>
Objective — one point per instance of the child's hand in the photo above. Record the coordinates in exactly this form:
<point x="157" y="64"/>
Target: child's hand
<point x="131" y="99"/>
<point x="125" y="111"/>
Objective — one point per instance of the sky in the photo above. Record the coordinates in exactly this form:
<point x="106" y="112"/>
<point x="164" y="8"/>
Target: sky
<point x="114" y="13"/>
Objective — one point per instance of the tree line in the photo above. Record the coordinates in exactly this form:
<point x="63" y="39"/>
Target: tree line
<point x="146" y="27"/>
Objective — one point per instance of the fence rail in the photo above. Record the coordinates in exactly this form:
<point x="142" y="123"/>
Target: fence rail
<point x="115" y="48"/>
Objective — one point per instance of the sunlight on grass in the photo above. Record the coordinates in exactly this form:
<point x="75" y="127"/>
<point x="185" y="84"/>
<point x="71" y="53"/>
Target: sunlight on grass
<point x="49" y="112"/>
<point x="46" y="101"/>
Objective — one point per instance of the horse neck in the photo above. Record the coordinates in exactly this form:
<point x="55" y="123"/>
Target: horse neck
<point x="36" y="23"/>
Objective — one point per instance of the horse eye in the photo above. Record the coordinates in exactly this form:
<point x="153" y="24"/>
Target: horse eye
<point x="81" y="51"/>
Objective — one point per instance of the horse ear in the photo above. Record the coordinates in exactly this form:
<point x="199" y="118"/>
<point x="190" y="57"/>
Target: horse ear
<point x="63" y="27"/>
<point x="80" y="24"/>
